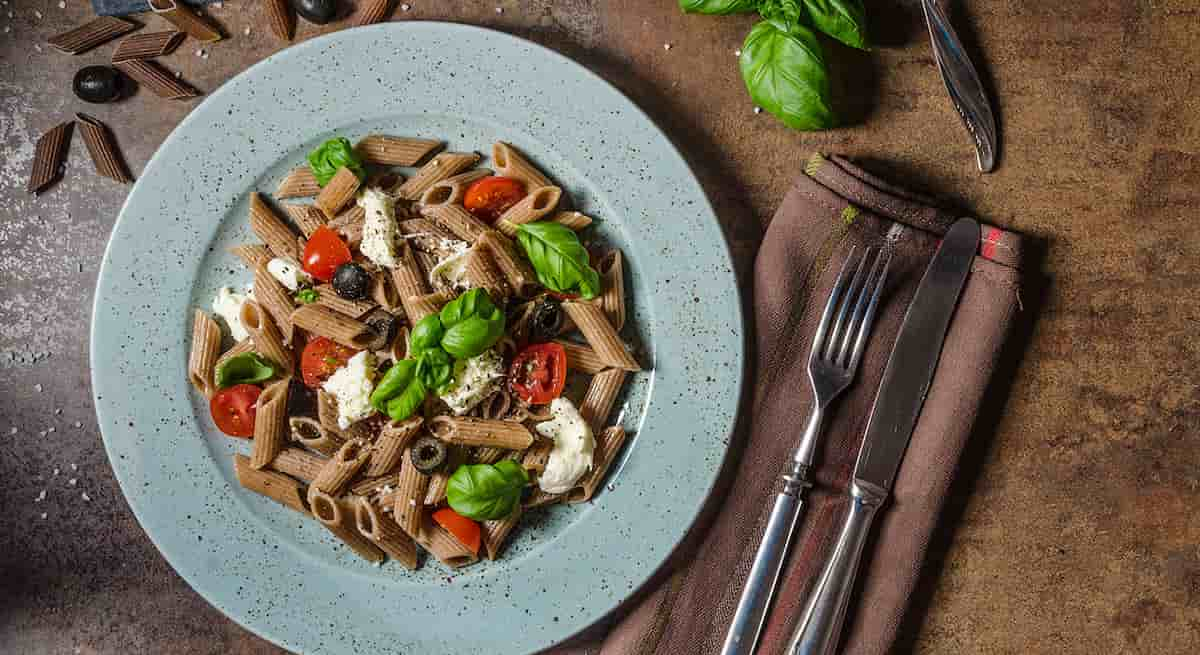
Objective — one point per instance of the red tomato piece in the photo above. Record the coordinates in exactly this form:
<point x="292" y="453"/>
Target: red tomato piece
<point x="233" y="409"/>
<point x="323" y="253"/>
<point x="464" y="529"/>
<point x="539" y="372"/>
<point x="490" y="197"/>
<point x="320" y="358"/>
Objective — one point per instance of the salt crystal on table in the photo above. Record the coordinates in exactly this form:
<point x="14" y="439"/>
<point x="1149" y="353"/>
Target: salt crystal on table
<point x="44" y="516"/>
<point x="666" y="46"/>
<point x="72" y="481"/>
<point x="12" y="430"/>
<point x="85" y="496"/>
<point x="499" y="10"/>
<point x="41" y="497"/>
<point x="74" y="468"/>
<point x="62" y="4"/>
<point x="55" y="471"/>
<point x="37" y="14"/>
<point x="405" y="7"/>
<point x="50" y="429"/>
<point x="38" y="387"/>
<point x="78" y="424"/>
<point x="246" y="31"/>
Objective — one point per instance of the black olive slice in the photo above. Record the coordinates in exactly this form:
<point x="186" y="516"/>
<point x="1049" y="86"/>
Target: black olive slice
<point x="351" y="281"/>
<point x="383" y="328"/>
<point x="428" y="454"/>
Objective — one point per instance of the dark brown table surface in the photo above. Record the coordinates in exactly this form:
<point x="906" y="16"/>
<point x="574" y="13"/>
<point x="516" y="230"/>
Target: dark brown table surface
<point x="1075" y="525"/>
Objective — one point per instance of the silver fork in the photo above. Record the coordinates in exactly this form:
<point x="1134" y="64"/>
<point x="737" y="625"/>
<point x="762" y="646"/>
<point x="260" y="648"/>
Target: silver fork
<point x="837" y="348"/>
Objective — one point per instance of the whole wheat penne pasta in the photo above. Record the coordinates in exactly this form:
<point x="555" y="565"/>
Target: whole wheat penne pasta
<point x="327" y="297"/>
<point x="337" y="192"/>
<point x="372" y="11"/>
<point x="461" y="222"/>
<point x="436" y="491"/>
<point x="339" y="520"/>
<point x="147" y="46"/>
<point x="451" y="190"/>
<point x="49" y="156"/>
<point x="471" y="431"/>
<point x="274" y="298"/>
<point x="489" y="455"/>
<point x="267" y="340"/>
<point x="325" y="322"/>
<point x="418" y="307"/>
<point x="91" y="34"/>
<point x="608" y="445"/>
<point x="385" y="533"/>
<point x="252" y="255"/>
<point x="313" y="436"/>
<point x="572" y="219"/>
<point x="598" y="401"/>
<point x="600" y="335"/>
<point x="408" y="500"/>
<point x="442" y="166"/>
<point x="399" y="347"/>
<point x="349" y="224"/>
<point x="298" y="183"/>
<point x="103" y="148"/>
<point x="612" y="275"/>
<point x="581" y="357"/>
<point x="510" y="162"/>
<point x="541" y="498"/>
<point x="270" y="423"/>
<point x="427" y="236"/>
<point x="340" y="469"/>
<point x="244" y="346"/>
<point x="327" y="416"/>
<point x="497" y="405"/>
<point x="384" y="292"/>
<point x="280" y="18"/>
<point x="298" y="463"/>
<point x="376" y="486"/>
<point x="537" y="455"/>
<point x="516" y="270"/>
<point x="408" y="277"/>
<point x="532" y="207"/>
<point x="444" y="546"/>
<point x="496" y="532"/>
<point x="482" y="272"/>
<point x="182" y="17"/>
<point x="206" y="347"/>
<point x="388" y="449"/>
<point x="276" y="486"/>
<point x="271" y="229"/>
<point x="395" y="150"/>
<point x="306" y="217"/>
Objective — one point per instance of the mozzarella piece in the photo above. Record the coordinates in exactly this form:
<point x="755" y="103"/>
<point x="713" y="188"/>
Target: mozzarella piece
<point x="228" y="305"/>
<point x="379" y="227"/>
<point x="571" y="457"/>
<point x="475" y="379"/>
<point x="288" y="272"/>
<point x="352" y="385"/>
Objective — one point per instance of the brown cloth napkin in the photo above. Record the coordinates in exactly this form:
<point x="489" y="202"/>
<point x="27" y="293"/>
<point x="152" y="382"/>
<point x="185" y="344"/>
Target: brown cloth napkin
<point x="833" y="207"/>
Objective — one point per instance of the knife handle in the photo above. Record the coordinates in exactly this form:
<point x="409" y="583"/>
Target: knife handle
<point x="963" y="83"/>
<point x="820" y="625"/>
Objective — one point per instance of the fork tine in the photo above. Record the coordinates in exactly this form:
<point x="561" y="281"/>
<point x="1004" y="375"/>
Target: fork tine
<point x="848" y="336"/>
<point x="818" y="342"/>
<point x="852" y="293"/>
<point x="869" y="317"/>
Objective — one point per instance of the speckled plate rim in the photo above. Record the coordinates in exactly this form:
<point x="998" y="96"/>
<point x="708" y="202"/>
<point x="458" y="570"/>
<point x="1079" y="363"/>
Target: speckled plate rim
<point x="129" y="440"/>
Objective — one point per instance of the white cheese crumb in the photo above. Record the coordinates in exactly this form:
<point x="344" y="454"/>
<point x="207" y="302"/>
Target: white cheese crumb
<point x="44" y="516"/>
<point x="50" y="429"/>
<point x="85" y="496"/>
<point x="218" y="5"/>
<point x="405" y="7"/>
<point x="499" y="10"/>
<point x="288" y="272"/>
<point x="246" y="31"/>
<point x="758" y="110"/>
<point x="55" y="471"/>
<point x="199" y="52"/>
<point x="72" y="481"/>
<point x="37" y="14"/>
<point x="204" y="56"/>
<point x="78" y="424"/>
<point x="737" y="53"/>
<point x="666" y="46"/>
<point x="58" y="412"/>
<point x="12" y="430"/>
<point x="412" y="502"/>
<point x="352" y="385"/>
<point x="38" y="387"/>
<point x="571" y="457"/>
<point x="62" y="4"/>
<point x="74" y="468"/>
<point x="40" y="497"/>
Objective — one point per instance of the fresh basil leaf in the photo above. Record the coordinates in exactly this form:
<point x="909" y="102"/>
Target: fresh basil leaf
<point x="475" y="302"/>
<point x="785" y="74"/>
<point x="718" y="7"/>
<point x="472" y="336"/>
<point x="246" y="368"/>
<point x="786" y="13"/>
<point x="394" y="382"/>
<point x="558" y="258"/>
<point x="408" y="402"/>
<point x="435" y="369"/>
<point x="307" y="296"/>
<point x="844" y="20"/>
<point x="486" y="492"/>
<point x="332" y="155"/>
<point x="426" y="334"/>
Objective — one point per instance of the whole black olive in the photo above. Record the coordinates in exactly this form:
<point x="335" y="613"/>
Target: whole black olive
<point x="97" y="84"/>
<point x="383" y="328"/>
<point x="316" y="11"/>
<point x="427" y="454"/>
<point x="351" y="282"/>
<point x="546" y="319"/>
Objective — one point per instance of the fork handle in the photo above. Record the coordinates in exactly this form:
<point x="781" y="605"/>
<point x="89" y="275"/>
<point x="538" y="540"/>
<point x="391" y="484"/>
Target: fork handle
<point x="768" y="562"/>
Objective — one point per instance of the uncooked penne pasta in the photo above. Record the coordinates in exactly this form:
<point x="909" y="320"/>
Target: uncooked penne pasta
<point x="534" y="206"/>
<point x="299" y="183"/>
<point x="206" y="347"/>
<point x="276" y="486"/>
<point x="372" y="11"/>
<point x="270" y="423"/>
<point x="581" y="357"/>
<point x="384" y="292"/>
<point x="471" y="431"/>
<point x="608" y="445"/>
<point x="148" y="46"/>
<point x="496" y="532"/>
<point x="409" y="497"/>
<point x="267" y="340"/>
<point x="186" y="20"/>
<point x="385" y="533"/>
<point x="395" y="150"/>
<point x="103" y="148"/>
<point x="436" y="491"/>
<point x="49" y="157"/>
<point x="442" y="166"/>
<point x="252" y="255"/>
<point x="600" y="335"/>
<point x="325" y="322"/>
<point x="349" y="224"/>
<point x="280" y="18"/>
<point x="244" y="346"/>
<point x="274" y="298"/>
<point x="340" y="469"/>
<point x="299" y="464"/>
<point x="306" y="217"/>
<point x="509" y="162"/>
<point x="572" y="219"/>
<point x="602" y="392"/>
<point x="482" y="272"/>
<point x="612" y="274"/>
<point x="337" y="192"/>
<point x="519" y="274"/>
<point x="91" y="34"/>
<point x="451" y="190"/>
<point x="389" y="446"/>
<point x="327" y="297"/>
<point x="340" y="521"/>
<point x="313" y="436"/>
<point x="444" y="546"/>
<point x="271" y="229"/>
<point x="418" y="307"/>
<point x="537" y="455"/>
<point x="461" y="222"/>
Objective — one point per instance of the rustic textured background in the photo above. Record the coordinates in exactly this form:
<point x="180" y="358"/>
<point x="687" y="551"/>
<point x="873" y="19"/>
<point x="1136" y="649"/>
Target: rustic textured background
<point x="1074" y="524"/>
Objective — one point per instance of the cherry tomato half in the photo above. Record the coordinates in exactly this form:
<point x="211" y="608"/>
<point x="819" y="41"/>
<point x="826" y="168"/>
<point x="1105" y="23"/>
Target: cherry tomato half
<point x="490" y="197"/>
<point x="539" y="372"/>
<point x="321" y="357"/>
<point x="464" y="529"/>
<point x="324" y="252"/>
<point x="233" y="409"/>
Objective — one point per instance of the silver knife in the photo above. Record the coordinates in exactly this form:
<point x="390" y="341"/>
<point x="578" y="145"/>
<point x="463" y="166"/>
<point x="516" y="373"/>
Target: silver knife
<point x="898" y="403"/>
<point x="962" y="81"/>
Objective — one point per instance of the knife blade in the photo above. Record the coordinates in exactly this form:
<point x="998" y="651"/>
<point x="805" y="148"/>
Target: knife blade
<point x="898" y="403"/>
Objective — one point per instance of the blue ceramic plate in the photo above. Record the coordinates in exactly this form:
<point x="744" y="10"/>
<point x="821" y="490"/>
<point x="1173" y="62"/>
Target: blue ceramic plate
<point x="282" y="575"/>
